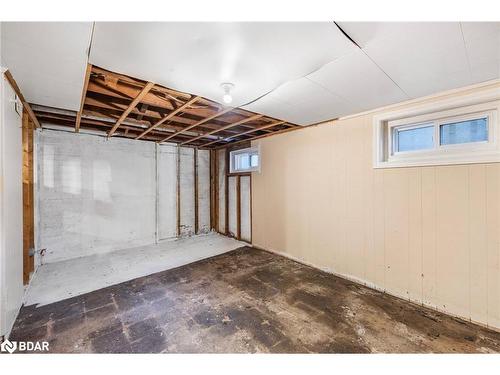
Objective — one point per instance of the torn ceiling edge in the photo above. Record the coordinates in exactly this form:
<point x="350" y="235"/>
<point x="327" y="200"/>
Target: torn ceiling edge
<point x="113" y="103"/>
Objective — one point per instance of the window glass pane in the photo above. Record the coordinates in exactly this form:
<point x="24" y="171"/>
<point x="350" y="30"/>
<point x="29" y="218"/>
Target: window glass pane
<point x="421" y="138"/>
<point x="242" y="161"/>
<point x="464" y="131"/>
<point x="254" y="160"/>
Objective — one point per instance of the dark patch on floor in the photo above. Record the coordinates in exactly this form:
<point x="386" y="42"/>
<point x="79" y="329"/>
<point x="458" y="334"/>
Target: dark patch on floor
<point x="246" y="300"/>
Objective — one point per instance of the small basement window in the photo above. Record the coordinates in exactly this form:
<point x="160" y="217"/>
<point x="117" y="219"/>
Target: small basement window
<point x="457" y="136"/>
<point x="245" y="160"/>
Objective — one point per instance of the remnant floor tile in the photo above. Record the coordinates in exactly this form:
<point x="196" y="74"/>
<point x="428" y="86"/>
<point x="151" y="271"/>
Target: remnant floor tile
<point x="246" y="301"/>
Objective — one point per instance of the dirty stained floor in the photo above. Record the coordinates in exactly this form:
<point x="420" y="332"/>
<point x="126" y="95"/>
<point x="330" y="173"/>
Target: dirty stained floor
<point x="246" y="301"/>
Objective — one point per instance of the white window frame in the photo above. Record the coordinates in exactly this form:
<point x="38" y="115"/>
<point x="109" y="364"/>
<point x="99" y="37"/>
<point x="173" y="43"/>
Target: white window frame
<point x="249" y="150"/>
<point x="439" y="113"/>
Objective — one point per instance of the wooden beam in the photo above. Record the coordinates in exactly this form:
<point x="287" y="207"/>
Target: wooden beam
<point x="82" y="100"/>
<point x="178" y="189"/>
<point x="226" y="192"/>
<point x="251" y="210"/>
<point x="19" y="94"/>
<point x="238" y="207"/>
<point x="195" y="167"/>
<point x="271" y="125"/>
<point x="245" y="120"/>
<point x="28" y="198"/>
<point x="261" y="136"/>
<point x="213" y="172"/>
<point x="220" y="113"/>
<point x="132" y="105"/>
<point x="169" y="116"/>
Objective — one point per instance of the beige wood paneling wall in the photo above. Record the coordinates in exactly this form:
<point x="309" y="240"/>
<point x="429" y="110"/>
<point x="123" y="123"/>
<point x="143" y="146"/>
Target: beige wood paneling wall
<point x="427" y="234"/>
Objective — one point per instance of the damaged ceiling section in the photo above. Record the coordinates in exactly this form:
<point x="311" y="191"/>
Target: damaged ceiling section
<point x="143" y="79"/>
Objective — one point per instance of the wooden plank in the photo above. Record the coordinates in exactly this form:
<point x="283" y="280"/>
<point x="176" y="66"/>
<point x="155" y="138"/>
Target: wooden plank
<point x="263" y="127"/>
<point x="251" y="210"/>
<point x="169" y="116"/>
<point x="216" y="191"/>
<point x="82" y="100"/>
<point x="195" y="166"/>
<point x="226" y="193"/>
<point x="212" y="189"/>
<point x="220" y="113"/>
<point x="257" y="137"/>
<point x="132" y="105"/>
<point x="19" y="94"/>
<point x="238" y="207"/>
<point x="179" y="207"/>
<point x="245" y="120"/>
<point x="28" y="198"/>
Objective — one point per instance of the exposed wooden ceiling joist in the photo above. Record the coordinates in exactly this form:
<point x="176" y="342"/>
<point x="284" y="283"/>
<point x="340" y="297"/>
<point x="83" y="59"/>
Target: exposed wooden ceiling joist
<point x="248" y="119"/>
<point x="220" y="113"/>
<point x="132" y="105"/>
<point x="286" y="130"/>
<point x="170" y="115"/>
<point x="268" y="126"/>
<point x="124" y="106"/>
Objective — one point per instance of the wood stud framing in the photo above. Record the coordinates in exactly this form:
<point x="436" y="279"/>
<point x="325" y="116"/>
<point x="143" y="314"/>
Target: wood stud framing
<point x="19" y="94"/>
<point x="28" y="198"/>
<point x="195" y="166"/>
<point x="121" y="106"/>
<point x="238" y="207"/>
<point x="178" y="202"/>
<point x="82" y="101"/>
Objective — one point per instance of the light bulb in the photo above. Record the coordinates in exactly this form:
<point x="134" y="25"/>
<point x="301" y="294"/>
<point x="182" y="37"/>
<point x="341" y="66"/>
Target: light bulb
<point x="227" y="98"/>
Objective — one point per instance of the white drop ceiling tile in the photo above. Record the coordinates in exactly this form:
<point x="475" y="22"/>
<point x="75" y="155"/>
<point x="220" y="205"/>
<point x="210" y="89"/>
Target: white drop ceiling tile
<point x="477" y="30"/>
<point x="482" y="41"/>
<point x="48" y="60"/>
<point x="359" y="81"/>
<point x="429" y="35"/>
<point x="302" y="102"/>
<point x="198" y="57"/>
<point x="486" y="71"/>
<point x="421" y="57"/>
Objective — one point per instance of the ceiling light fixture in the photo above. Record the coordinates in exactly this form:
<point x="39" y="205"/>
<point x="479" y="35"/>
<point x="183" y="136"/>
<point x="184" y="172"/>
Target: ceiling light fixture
<point x="227" y="87"/>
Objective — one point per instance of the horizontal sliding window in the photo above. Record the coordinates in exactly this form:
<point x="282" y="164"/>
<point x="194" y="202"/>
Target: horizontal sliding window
<point x="460" y="135"/>
<point x="245" y="160"/>
<point x="474" y="130"/>
<point x="414" y="138"/>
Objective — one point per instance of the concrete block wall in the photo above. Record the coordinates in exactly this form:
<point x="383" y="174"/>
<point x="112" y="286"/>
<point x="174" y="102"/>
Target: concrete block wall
<point x="96" y="195"/>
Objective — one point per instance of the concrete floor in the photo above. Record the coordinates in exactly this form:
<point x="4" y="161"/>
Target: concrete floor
<point x="245" y="301"/>
<point x="61" y="280"/>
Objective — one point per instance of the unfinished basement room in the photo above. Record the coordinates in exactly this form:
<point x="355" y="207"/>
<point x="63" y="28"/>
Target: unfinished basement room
<point x="250" y="187"/>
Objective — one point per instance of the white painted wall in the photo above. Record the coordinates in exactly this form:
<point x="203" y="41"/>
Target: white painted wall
<point x="245" y="208"/>
<point x="187" y="191"/>
<point x="95" y="195"/>
<point x="233" y="224"/>
<point x="203" y="191"/>
<point x="11" y="220"/>
<point x="167" y="191"/>
<point x="221" y="180"/>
